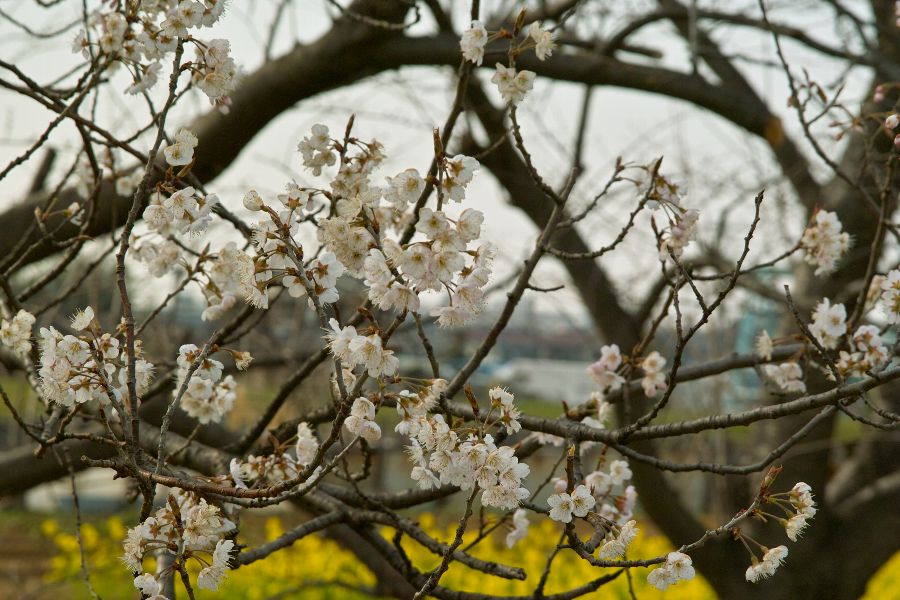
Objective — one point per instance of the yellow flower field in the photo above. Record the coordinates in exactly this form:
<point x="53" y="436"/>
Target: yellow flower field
<point x="316" y="568"/>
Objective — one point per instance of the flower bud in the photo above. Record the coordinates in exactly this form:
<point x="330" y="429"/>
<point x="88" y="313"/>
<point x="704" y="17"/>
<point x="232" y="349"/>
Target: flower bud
<point x="252" y="201"/>
<point x="892" y="121"/>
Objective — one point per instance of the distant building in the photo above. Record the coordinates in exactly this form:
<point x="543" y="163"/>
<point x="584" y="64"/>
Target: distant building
<point x="548" y="380"/>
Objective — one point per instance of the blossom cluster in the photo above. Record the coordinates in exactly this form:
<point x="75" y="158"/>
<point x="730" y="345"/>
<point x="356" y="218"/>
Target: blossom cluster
<point x="434" y="264"/>
<point x="858" y="354"/>
<point x="361" y="420"/>
<point x="799" y="506"/>
<point x="181" y="152"/>
<point x="867" y="352"/>
<point x="662" y="193"/>
<point x="513" y="85"/>
<point x="354" y="349"/>
<point x="278" y="466"/>
<point x="263" y="470"/>
<point x="678" y="235"/>
<point x="604" y="371"/>
<point x="473" y="41"/>
<point x="307" y="445"/>
<point x="225" y="273"/>
<point x="787" y="376"/>
<point x="277" y="258"/>
<point x="654" y="379"/>
<point x="771" y="560"/>
<point x="142" y="34"/>
<point x="414" y="408"/>
<point x="207" y="396"/>
<point x="214" y="70"/>
<point x="824" y="242"/>
<point x="617" y="540"/>
<point x="440" y="456"/>
<point x="79" y="369"/>
<point x="442" y="258"/>
<point x="563" y="506"/>
<point x="617" y="530"/>
<point x="221" y="275"/>
<point x="503" y="402"/>
<point x="602" y="483"/>
<point x="829" y="323"/>
<point x="160" y="257"/>
<point x="890" y="297"/>
<point x="317" y="149"/>
<point x="800" y="500"/>
<point x="354" y="235"/>
<point x="678" y="567"/>
<point x="188" y="527"/>
<point x="15" y="333"/>
<point x="183" y="211"/>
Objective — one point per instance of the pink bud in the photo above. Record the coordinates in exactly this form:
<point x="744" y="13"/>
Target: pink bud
<point x="897" y="141"/>
<point x="878" y="96"/>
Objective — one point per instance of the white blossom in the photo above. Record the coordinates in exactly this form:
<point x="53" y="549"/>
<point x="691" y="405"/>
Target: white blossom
<point x="520" y="528"/>
<point x="207" y="397"/>
<point x="16" y="332"/>
<point x="603" y="372"/>
<point x="829" y="323"/>
<point x="147" y="79"/>
<point x="795" y="526"/>
<point x="306" y="445"/>
<point x="772" y="559"/>
<point x="513" y="85"/>
<point x="890" y="297"/>
<point x="361" y="420"/>
<point x="252" y="201"/>
<point x="210" y="578"/>
<point x="678" y="567"/>
<point x="823" y="242"/>
<point x="473" y="41"/>
<point x="802" y="499"/>
<point x="764" y="345"/>
<point x="787" y="376"/>
<point x="316" y="149"/>
<point x="619" y="472"/>
<point x="616" y="545"/>
<point x="181" y="152"/>
<point x="679" y="234"/>
<point x="148" y="585"/>
<point x="654" y="379"/>
<point x="563" y="506"/>
<point x="543" y="41"/>
<point x="82" y="319"/>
